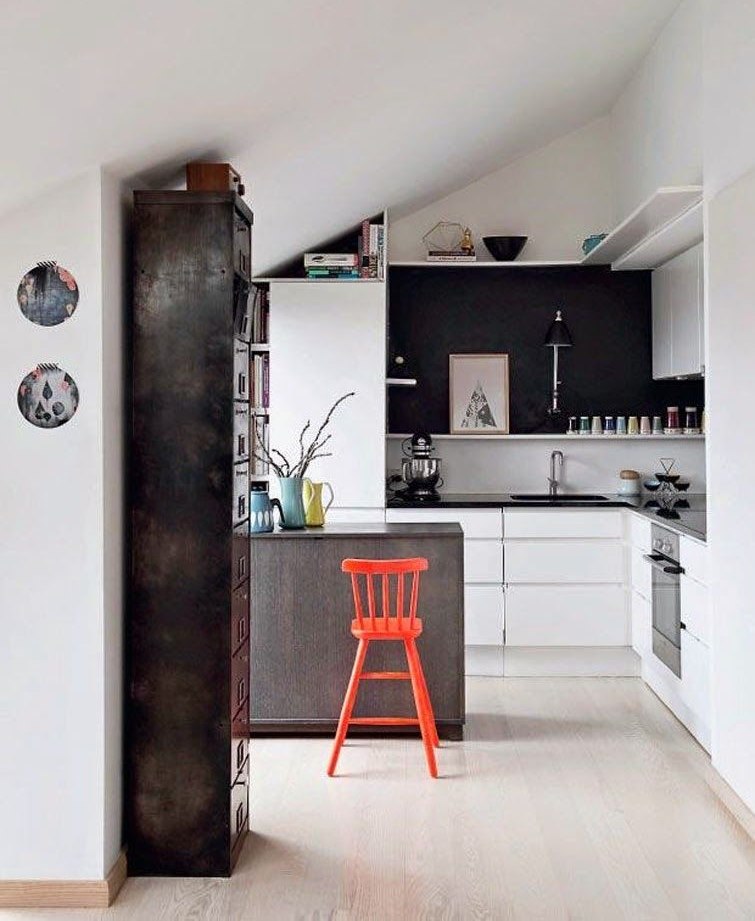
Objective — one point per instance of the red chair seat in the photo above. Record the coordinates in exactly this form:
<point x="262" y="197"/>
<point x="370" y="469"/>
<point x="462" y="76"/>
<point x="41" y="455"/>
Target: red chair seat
<point x="387" y="631"/>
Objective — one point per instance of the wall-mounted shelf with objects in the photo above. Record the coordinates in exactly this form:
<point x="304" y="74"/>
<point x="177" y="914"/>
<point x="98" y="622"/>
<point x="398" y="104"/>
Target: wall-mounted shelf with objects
<point x="488" y="264"/>
<point x="560" y="437"/>
<point x="663" y="226"/>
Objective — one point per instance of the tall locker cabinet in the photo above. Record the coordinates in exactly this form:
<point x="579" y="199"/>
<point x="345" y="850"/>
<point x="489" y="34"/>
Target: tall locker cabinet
<point x="187" y="764"/>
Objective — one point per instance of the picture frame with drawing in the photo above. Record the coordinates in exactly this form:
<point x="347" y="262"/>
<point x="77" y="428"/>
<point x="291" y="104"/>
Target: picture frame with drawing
<point x="479" y="394"/>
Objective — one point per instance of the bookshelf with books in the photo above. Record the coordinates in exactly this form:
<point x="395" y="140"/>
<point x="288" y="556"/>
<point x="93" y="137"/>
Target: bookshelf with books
<point x="259" y="379"/>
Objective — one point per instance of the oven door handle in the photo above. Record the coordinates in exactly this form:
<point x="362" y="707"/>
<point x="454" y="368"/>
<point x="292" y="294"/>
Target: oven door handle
<point x="655" y="559"/>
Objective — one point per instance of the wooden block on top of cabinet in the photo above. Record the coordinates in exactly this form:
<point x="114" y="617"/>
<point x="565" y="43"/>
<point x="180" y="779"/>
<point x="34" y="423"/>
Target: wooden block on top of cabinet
<point x="476" y="523"/>
<point x="694" y="605"/>
<point x="556" y="523"/>
<point x="641" y="573"/>
<point x="639" y="532"/>
<point x="642" y="626"/>
<point x="566" y="615"/>
<point x="483" y="615"/>
<point x="693" y="558"/>
<point x="564" y="561"/>
<point x="483" y="561"/>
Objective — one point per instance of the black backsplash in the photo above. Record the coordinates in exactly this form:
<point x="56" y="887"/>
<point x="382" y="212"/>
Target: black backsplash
<point x="435" y="312"/>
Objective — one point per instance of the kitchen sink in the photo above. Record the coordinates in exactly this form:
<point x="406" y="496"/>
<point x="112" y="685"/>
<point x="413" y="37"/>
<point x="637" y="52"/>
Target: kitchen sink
<point x="548" y="499"/>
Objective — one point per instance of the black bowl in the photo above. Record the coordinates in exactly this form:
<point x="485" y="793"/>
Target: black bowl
<point x="504" y="249"/>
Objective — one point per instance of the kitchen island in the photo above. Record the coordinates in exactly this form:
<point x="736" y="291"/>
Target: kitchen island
<point x="302" y="650"/>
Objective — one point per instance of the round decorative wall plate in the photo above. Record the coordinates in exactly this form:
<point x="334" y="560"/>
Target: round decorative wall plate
<point x="48" y="396"/>
<point x="47" y="294"/>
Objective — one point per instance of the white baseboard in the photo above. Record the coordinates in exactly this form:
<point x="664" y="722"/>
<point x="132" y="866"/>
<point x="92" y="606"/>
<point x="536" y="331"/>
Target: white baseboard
<point x="566" y="661"/>
<point x="484" y="660"/>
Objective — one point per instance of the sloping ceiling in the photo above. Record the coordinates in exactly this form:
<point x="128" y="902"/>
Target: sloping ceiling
<point x="331" y="109"/>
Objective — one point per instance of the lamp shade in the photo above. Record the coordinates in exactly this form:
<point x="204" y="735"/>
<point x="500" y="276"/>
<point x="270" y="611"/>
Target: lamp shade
<point x="558" y="335"/>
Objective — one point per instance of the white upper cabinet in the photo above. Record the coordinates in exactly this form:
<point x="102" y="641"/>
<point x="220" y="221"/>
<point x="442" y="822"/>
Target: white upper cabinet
<point x="678" y="330"/>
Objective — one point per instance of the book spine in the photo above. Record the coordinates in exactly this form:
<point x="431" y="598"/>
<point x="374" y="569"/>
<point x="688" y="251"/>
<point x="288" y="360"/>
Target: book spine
<point x="381" y="251"/>
<point x="330" y="259"/>
<point x="364" y="270"/>
<point x="265" y="380"/>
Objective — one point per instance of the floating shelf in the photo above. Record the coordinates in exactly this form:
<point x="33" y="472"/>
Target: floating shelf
<point x="324" y="281"/>
<point x="487" y="264"/>
<point x="401" y="381"/>
<point x="653" y="233"/>
<point x="561" y="437"/>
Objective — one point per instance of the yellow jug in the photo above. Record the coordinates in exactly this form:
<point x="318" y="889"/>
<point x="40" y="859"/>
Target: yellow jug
<point x="314" y="512"/>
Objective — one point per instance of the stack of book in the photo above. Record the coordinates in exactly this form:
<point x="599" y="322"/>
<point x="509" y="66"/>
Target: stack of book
<point x="454" y="255"/>
<point x="372" y="251"/>
<point x="260" y="379"/>
<point x="260" y="316"/>
<point x="331" y="265"/>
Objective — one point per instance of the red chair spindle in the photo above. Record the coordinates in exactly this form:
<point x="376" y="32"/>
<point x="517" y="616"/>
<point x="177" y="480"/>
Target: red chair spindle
<point x="371" y="599"/>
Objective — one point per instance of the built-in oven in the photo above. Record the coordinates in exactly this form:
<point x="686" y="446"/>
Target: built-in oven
<point x="666" y="598"/>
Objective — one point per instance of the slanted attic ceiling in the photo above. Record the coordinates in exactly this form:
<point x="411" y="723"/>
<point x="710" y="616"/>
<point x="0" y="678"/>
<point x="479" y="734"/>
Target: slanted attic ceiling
<point x="331" y="109"/>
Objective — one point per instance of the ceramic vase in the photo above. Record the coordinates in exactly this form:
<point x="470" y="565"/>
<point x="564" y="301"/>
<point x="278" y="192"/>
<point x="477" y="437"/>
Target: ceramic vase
<point x="313" y="508"/>
<point x="293" y="505"/>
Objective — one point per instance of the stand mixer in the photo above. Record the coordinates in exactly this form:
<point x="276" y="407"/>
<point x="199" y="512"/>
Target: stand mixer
<point x="419" y="470"/>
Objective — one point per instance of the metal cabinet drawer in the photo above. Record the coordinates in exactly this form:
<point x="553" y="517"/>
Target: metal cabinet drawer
<point x="240" y="370"/>
<point x="241" y="444"/>
<point x="239" y="809"/>
<point x="483" y="615"/>
<point x="239" y="616"/>
<point x="476" y="523"/>
<point x="564" y="561"/>
<point x="239" y="678"/>
<point x="239" y="756"/>
<point x="242" y="246"/>
<point x="240" y="554"/>
<point x="556" y="523"/>
<point x="240" y="492"/>
<point x="483" y="561"/>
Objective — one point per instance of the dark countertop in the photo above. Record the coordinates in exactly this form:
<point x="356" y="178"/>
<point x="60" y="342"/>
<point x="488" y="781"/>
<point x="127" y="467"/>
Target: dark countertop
<point x="686" y="516"/>
<point x="367" y="529"/>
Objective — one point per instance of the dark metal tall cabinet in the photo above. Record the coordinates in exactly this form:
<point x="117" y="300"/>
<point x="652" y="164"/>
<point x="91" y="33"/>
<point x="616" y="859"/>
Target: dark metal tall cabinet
<point x="188" y="627"/>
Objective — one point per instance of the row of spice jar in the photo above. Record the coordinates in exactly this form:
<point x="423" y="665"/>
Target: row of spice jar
<point x="642" y="425"/>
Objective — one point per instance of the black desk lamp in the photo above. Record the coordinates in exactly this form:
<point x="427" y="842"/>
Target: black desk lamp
<point x="558" y="337"/>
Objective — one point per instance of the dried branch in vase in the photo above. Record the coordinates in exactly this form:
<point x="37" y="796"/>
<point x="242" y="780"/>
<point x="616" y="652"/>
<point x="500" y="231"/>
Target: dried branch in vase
<point x="279" y="463"/>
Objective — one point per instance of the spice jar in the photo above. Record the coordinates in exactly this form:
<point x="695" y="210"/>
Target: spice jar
<point x="691" y="424"/>
<point x="673" y="426"/>
<point x="629" y="483"/>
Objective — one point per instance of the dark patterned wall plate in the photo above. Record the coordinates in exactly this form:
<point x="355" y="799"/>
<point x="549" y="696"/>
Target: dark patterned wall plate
<point x="48" y="294"/>
<point x="48" y="397"/>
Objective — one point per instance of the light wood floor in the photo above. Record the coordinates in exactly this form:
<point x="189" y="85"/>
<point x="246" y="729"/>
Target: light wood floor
<point x="570" y="798"/>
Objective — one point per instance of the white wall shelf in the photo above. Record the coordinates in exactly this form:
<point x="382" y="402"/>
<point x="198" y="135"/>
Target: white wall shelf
<point x="656" y="231"/>
<point x="488" y="264"/>
<point x="560" y="437"/>
<point x="323" y="281"/>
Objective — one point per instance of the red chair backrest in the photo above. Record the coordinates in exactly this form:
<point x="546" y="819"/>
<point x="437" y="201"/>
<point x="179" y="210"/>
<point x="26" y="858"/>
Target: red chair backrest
<point x="391" y="606"/>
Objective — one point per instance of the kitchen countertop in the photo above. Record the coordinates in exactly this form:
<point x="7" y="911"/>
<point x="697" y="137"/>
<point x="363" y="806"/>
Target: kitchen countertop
<point x="365" y="529"/>
<point x="686" y="516"/>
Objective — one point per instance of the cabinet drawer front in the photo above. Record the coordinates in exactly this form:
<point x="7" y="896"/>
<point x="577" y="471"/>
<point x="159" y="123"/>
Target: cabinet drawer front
<point x="239" y="679"/>
<point x="483" y="561"/>
<point x="642" y="573"/>
<point x="239" y="755"/>
<point x="563" y="523"/>
<point x="239" y="809"/>
<point x="239" y="616"/>
<point x="242" y="246"/>
<point x="240" y="554"/>
<point x="563" y="561"/>
<point x="240" y="432"/>
<point x="476" y="523"/>
<point x="695" y="684"/>
<point x="642" y="625"/>
<point x="240" y="492"/>
<point x="695" y="614"/>
<point x="483" y="615"/>
<point x="240" y="370"/>
<point x="694" y="558"/>
<point x="639" y="532"/>
<point x="566" y="615"/>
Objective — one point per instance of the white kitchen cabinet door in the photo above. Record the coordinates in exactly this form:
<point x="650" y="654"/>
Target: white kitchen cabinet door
<point x="693" y="557"/>
<point x="564" y="561"/>
<point x="642" y="625"/>
<point x="695" y="687"/>
<point x="661" y="293"/>
<point x="566" y="615"/>
<point x="686" y="313"/>
<point x="641" y="574"/>
<point x="327" y="340"/>
<point x="547" y="523"/>
<point x="694" y="602"/>
<point x="483" y="615"/>
<point x="640" y="532"/>
<point x="483" y="561"/>
<point x="482" y="523"/>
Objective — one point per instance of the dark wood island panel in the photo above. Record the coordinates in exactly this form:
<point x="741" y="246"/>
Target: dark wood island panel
<point x="302" y="647"/>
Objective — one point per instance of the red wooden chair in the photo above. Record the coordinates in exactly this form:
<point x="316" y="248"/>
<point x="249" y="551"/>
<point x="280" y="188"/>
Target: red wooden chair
<point x="393" y="622"/>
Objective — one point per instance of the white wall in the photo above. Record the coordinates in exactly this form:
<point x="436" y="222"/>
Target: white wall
<point x="521" y="465"/>
<point x="557" y="196"/>
<point x="56" y="737"/>
<point x="657" y="121"/>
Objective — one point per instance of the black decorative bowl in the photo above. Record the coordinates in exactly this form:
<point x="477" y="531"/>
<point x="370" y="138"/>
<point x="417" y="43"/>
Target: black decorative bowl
<point x="504" y="249"/>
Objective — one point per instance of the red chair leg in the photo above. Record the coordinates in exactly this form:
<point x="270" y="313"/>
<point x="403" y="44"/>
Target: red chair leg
<point x="412" y="658"/>
<point x="348" y="705"/>
<point x="428" y="702"/>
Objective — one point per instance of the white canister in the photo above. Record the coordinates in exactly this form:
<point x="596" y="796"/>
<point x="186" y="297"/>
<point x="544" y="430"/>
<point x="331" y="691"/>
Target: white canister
<point x="629" y="483"/>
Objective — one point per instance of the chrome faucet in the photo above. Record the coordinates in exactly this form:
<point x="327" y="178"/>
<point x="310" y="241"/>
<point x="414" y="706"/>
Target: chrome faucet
<point x="553" y="481"/>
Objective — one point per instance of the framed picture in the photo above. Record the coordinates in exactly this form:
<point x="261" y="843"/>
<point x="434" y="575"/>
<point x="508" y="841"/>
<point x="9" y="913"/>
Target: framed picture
<point x="479" y="394"/>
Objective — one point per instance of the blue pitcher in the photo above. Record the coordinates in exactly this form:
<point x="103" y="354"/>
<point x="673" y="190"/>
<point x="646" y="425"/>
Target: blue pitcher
<point x="261" y="518"/>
